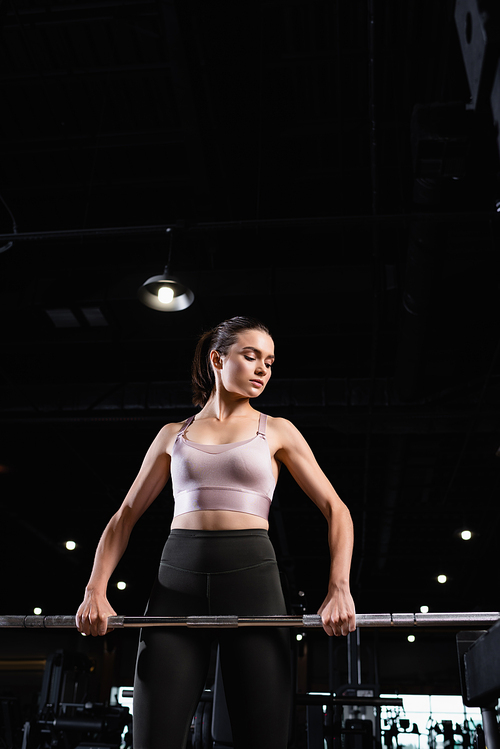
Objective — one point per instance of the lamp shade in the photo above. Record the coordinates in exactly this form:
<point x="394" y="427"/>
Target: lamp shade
<point x="165" y="293"/>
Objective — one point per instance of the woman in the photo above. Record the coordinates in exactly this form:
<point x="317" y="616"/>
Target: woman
<point x="218" y="559"/>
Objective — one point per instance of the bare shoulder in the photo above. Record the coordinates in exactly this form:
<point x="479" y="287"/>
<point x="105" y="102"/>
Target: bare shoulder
<point x="164" y="440"/>
<point x="282" y="432"/>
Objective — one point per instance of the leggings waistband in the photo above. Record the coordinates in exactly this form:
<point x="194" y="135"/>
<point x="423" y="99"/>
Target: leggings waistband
<point x="244" y="533"/>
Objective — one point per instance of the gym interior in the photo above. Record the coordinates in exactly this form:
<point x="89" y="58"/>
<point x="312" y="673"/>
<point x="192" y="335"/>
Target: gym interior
<point x="332" y="169"/>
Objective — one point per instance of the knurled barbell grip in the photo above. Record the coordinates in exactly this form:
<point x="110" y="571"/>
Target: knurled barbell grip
<point x="312" y="620"/>
<point x="220" y="622"/>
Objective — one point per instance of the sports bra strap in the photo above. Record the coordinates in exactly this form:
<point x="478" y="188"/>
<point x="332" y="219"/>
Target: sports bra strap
<point x="186" y="425"/>
<point x="261" y="431"/>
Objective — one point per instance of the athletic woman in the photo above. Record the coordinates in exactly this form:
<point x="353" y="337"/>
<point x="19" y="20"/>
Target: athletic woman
<point x="217" y="560"/>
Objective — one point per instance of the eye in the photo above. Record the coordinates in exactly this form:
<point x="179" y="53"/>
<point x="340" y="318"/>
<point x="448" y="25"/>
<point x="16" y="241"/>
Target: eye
<point x="249" y="358"/>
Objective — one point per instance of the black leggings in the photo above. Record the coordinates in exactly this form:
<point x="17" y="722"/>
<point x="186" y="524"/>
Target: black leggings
<point x="214" y="573"/>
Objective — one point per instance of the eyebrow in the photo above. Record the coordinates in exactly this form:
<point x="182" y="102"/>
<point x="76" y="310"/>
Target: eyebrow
<point x="257" y="351"/>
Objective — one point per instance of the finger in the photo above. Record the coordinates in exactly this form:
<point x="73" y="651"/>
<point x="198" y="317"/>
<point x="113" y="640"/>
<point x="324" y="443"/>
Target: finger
<point x="79" y="620"/>
<point x="349" y="625"/>
<point x="82" y="624"/>
<point x="101" y="626"/>
<point x="338" y="625"/>
<point x="341" y="627"/>
<point x="85" y="628"/>
<point x="328" y="626"/>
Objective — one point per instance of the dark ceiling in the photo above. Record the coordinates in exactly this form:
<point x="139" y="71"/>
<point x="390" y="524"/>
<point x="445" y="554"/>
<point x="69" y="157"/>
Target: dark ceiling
<point x="322" y="171"/>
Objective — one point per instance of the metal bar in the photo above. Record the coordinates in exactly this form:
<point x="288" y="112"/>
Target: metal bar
<point x="56" y="10"/>
<point x="87" y="72"/>
<point x="308" y="621"/>
<point x="328" y="699"/>
<point x="246" y="224"/>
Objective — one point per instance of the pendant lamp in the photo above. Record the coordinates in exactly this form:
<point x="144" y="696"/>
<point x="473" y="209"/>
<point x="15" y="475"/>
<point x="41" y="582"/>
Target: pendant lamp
<point x="165" y="293"/>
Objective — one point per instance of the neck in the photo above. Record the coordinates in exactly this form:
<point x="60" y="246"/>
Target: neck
<point x="221" y="407"/>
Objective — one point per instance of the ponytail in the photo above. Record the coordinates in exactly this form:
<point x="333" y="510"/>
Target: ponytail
<point x="202" y="375"/>
<point x="220" y="339"/>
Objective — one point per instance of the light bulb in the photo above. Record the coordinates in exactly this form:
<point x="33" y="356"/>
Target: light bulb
<point x="121" y="585"/>
<point x="70" y="545"/>
<point x="442" y="578"/>
<point x="466" y="535"/>
<point x="165" y="294"/>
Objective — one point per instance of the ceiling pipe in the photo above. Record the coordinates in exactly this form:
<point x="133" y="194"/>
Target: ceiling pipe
<point x="395" y="219"/>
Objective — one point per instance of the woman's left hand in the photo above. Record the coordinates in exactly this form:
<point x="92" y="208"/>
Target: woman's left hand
<point x="338" y="612"/>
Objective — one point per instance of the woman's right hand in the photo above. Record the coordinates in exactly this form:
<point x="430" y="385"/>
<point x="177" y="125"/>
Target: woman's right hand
<point x="92" y="615"/>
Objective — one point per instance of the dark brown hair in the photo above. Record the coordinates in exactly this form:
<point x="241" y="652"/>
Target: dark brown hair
<point x="220" y="339"/>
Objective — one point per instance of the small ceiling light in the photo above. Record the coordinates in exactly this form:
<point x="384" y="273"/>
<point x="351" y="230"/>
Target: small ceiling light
<point x="424" y="609"/>
<point x="165" y="293"/>
<point x="466" y="535"/>
<point x="37" y="610"/>
<point x="121" y="585"/>
<point x="299" y="637"/>
<point x="70" y="545"/>
<point x="411" y="638"/>
<point x="442" y="579"/>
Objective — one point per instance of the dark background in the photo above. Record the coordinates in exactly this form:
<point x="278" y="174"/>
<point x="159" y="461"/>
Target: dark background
<point x="325" y="170"/>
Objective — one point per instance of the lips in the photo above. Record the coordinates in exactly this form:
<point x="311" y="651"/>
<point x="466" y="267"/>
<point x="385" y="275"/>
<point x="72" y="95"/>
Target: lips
<point x="259" y="383"/>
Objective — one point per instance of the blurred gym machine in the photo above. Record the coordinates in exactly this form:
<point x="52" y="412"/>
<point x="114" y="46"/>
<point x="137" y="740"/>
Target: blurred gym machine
<point x="479" y="663"/>
<point x="453" y="734"/>
<point x="65" y="718"/>
<point x="348" y="717"/>
<point x="478" y="27"/>
<point x="394" y="727"/>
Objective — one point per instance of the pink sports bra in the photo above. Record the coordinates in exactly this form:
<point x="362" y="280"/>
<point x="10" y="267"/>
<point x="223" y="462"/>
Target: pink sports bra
<point x="237" y="476"/>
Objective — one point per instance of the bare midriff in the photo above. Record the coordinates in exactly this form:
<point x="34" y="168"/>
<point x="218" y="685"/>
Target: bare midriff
<point x="218" y="520"/>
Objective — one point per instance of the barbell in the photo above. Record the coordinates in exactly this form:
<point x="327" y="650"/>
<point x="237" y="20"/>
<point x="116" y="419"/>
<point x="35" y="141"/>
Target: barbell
<point x="306" y="621"/>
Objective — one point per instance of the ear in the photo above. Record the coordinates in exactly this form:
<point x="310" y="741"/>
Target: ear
<point x="216" y="359"/>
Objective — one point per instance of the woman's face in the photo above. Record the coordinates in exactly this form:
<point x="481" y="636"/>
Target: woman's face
<point x="246" y="368"/>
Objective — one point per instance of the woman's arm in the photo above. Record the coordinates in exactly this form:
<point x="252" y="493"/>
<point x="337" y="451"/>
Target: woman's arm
<point x="92" y="615"/>
<point x="337" y="610"/>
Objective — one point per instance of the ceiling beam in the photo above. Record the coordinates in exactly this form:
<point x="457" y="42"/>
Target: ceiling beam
<point x="338" y="404"/>
<point x="485" y="217"/>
